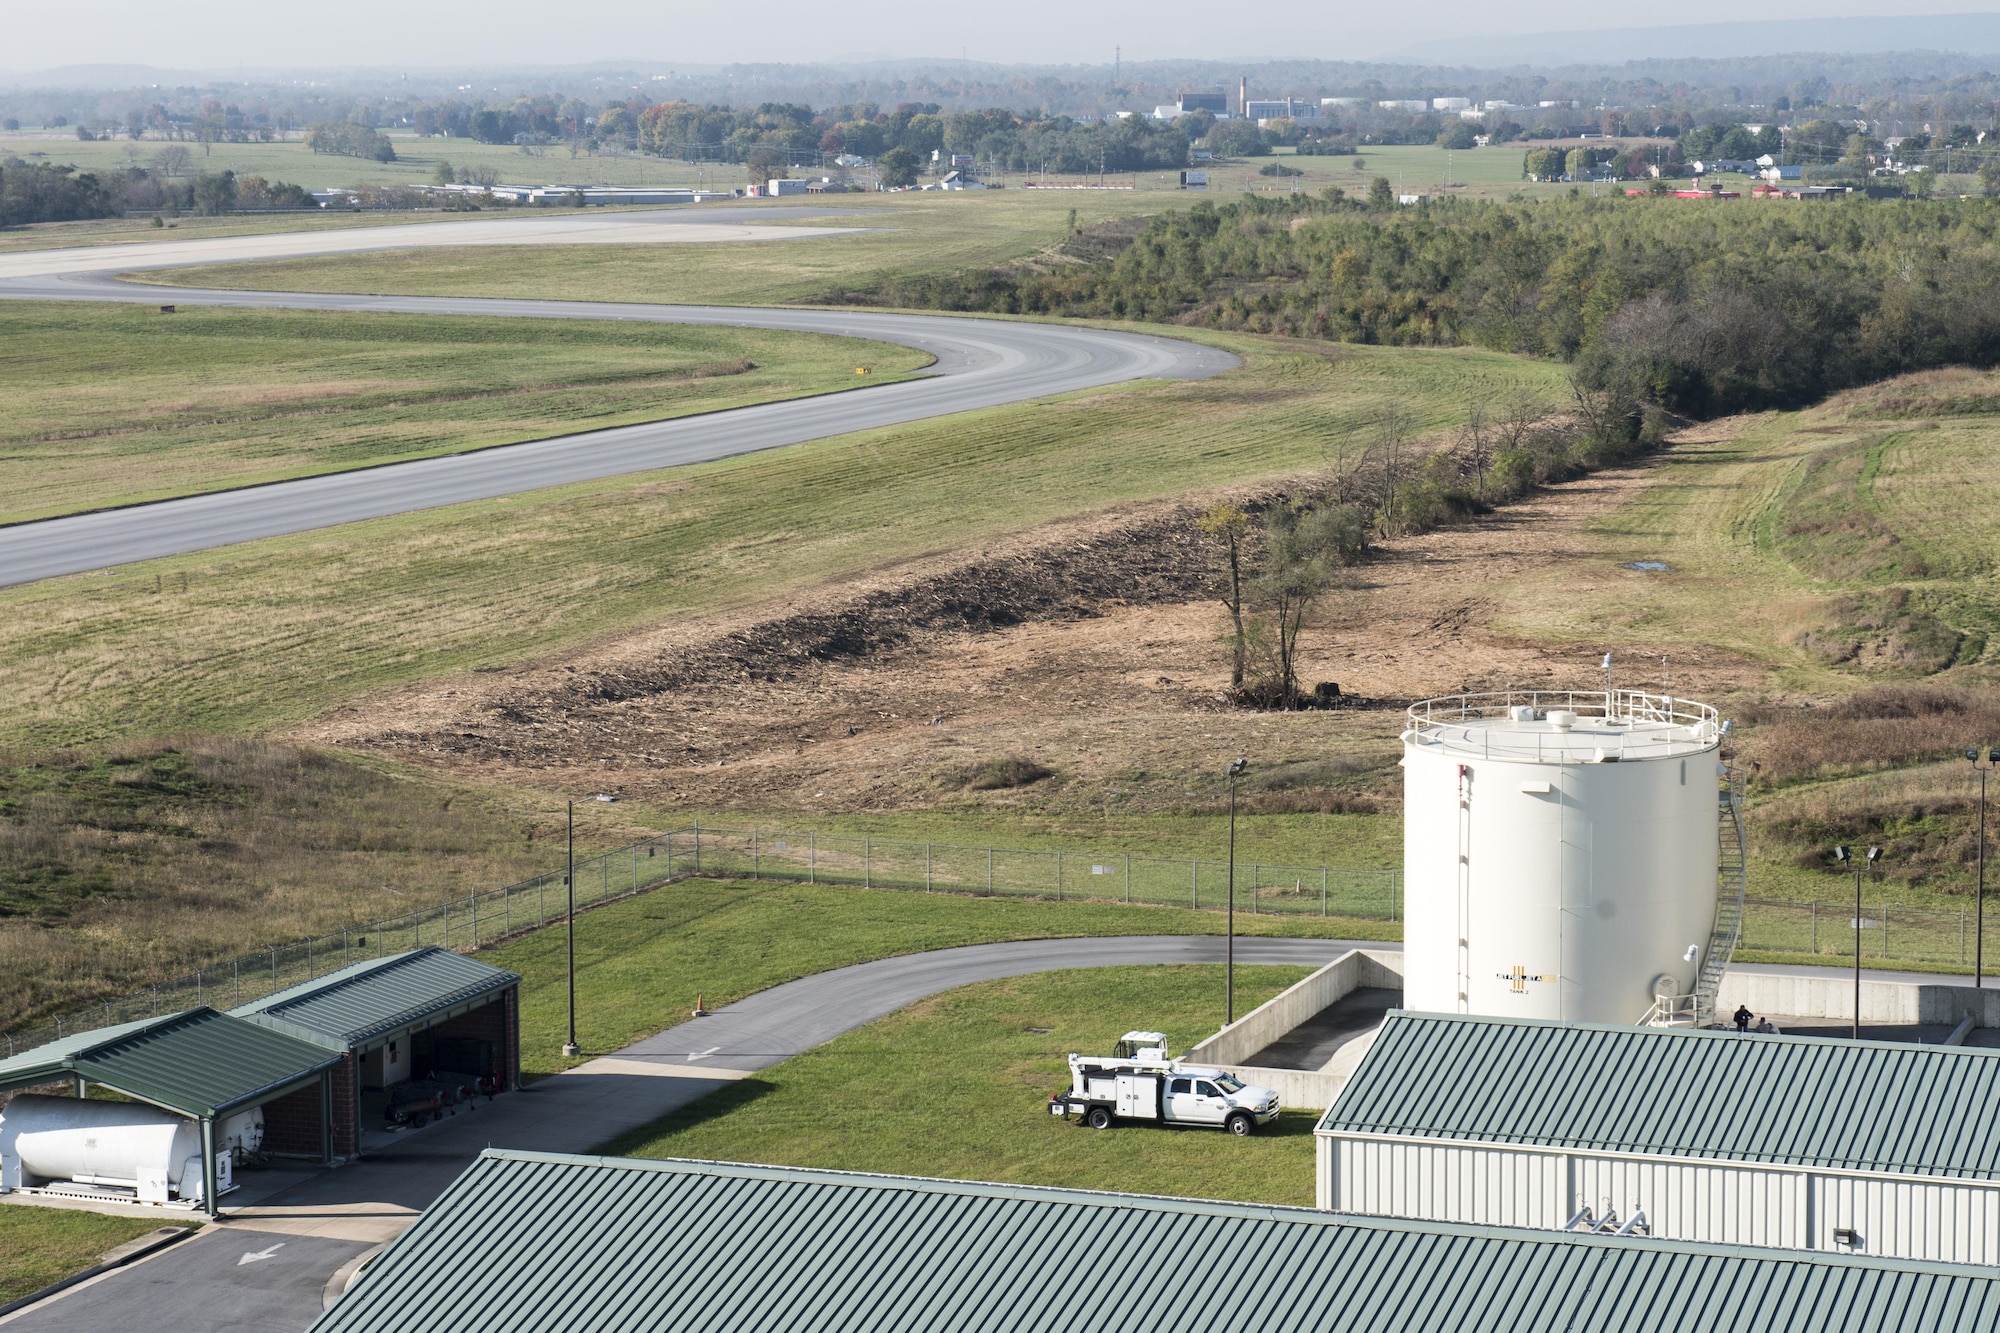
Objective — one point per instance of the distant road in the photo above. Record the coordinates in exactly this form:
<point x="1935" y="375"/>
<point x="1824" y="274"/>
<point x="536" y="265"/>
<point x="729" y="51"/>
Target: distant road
<point x="980" y="363"/>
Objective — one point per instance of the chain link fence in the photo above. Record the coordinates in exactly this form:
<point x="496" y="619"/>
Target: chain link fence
<point x="467" y="922"/>
<point x="1909" y="935"/>
<point x="1888" y="934"/>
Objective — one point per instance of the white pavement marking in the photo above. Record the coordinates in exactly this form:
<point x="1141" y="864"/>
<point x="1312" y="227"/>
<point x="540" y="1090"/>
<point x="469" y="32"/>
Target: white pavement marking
<point x="611" y="1064"/>
<point x="258" y="1256"/>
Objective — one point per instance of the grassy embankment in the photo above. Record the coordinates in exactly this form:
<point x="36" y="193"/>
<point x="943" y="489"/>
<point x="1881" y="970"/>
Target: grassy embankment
<point x="641" y="962"/>
<point x="107" y="405"/>
<point x="251" y="637"/>
<point x="958" y="1085"/>
<point x="39" y="1246"/>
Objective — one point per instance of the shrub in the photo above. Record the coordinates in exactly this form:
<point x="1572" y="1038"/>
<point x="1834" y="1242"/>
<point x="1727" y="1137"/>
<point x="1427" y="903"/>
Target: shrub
<point x="1011" y="771"/>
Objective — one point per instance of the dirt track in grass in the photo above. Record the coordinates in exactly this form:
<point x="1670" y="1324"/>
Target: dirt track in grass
<point x="1090" y="647"/>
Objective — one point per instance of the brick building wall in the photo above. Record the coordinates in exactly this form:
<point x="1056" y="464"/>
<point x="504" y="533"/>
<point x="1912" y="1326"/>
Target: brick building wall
<point x="291" y="1123"/>
<point x="497" y="1023"/>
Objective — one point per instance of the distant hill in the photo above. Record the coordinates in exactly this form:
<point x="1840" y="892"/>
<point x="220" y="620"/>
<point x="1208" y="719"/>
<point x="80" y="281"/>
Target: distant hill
<point x="1960" y="34"/>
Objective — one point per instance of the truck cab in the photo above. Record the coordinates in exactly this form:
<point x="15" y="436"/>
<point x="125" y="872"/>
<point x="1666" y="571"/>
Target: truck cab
<point x="1139" y="1081"/>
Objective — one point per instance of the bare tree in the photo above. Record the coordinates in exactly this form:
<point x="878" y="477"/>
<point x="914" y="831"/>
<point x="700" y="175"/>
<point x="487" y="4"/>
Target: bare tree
<point x="1477" y="448"/>
<point x="173" y="160"/>
<point x="1304" y="551"/>
<point x="1227" y="525"/>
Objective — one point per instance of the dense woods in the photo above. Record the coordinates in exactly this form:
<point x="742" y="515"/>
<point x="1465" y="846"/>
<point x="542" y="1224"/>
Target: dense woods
<point x="44" y="192"/>
<point x="1701" y="307"/>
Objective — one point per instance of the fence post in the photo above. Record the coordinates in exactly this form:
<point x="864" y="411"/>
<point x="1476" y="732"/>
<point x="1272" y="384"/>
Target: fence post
<point x="697" y="846"/>
<point x="670" y="854"/>
<point x="1322" y="892"/>
<point x="812" y="858"/>
<point x="989" y="872"/>
<point x="635" y="867"/>
<point x="1058" y="874"/>
<point x="541" y="902"/>
<point x="1128" y="879"/>
<point x="447" y="923"/>
<point x="506" y="912"/>
<point x="1961" y="935"/>
<point x="1815" y="927"/>
<point x="867" y="862"/>
<point x="927" y="872"/>
<point x="475" y="920"/>
<point x="1256" y="873"/>
<point x="756" y="858"/>
<point x="236" y="982"/>
<point x="197" y="987"/>
<point x="1194" y="884"/>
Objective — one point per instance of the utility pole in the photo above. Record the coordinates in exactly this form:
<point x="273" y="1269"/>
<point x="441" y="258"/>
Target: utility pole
<point x="570" y="1049"/>
<point x="1236" y="767"/>
<point x="1979" y="936"/>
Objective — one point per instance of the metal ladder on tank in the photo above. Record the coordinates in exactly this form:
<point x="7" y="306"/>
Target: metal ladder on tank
<point x="1732" y="873"/>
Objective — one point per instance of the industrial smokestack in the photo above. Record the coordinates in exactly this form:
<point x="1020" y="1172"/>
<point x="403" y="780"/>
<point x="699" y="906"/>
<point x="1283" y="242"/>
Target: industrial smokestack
<point x="1243" y="95"/>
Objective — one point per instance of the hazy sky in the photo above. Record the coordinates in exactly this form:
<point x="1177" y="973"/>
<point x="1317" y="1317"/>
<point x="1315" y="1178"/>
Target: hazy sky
<point x="216" y="34"/>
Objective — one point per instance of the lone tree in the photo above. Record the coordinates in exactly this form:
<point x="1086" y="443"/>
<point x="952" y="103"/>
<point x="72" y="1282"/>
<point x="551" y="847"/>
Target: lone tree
<point x="766" y="164"/>
<point x="1304" y="551"/>
<point x="1227" y="525"/>
<point x="898" y="168"/>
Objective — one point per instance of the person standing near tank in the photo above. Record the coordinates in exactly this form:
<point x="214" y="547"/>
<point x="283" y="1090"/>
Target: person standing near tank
<point x="1743" y="1017"/>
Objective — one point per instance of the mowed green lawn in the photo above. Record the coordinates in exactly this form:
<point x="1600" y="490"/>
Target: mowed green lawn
<point x="958" y="1086"/>
<point x="254" y="636"/>
<point x="642" y="963"/>
<point x="39" y="1246"/>
<point x="112" y="404"/>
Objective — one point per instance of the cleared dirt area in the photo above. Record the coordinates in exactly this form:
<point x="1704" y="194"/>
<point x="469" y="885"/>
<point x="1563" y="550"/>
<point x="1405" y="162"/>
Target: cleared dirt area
<point x="1089" y="648"/>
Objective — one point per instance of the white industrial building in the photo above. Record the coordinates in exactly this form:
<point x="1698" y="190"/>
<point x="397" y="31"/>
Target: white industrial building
<point x="1562" y="854"/>
<point x="1886" y="1149"/>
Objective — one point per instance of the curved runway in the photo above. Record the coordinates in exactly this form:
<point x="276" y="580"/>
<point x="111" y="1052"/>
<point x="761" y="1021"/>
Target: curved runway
<point x="980" y="363"/>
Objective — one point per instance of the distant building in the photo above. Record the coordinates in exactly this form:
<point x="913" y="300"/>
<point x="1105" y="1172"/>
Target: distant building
<point x="1404" y="104"/>
<point x="1194" y="180"/>
<point x="1450" y="103"/>
<point x="1777" y="173"/>
<point x="1280" y="108"/>
<point x="783" y="187"/>
<point x="1167" y="112"/>
<point x="1217" y="103"/>
<point x="1329" y="103"/>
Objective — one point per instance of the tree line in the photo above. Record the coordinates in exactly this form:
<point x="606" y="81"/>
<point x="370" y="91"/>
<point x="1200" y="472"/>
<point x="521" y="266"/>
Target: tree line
<point x="46" y="192"/>
<point x="1701" y="309"/>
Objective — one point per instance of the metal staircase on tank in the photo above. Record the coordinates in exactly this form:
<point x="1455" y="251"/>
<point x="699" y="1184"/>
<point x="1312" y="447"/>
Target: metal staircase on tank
<point x="1732" y="874"/>
<point x="1697" y="1009"/>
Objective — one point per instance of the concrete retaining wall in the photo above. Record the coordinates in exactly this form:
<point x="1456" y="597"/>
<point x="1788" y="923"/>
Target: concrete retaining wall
<point x="1832" y="996"/>
<point x="1283" y="1012"/>
<point x="1301" y="1089"/>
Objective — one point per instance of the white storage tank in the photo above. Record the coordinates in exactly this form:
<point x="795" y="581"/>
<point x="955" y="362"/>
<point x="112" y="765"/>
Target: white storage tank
<point x="1559" y="853"/>
<point x="125" y="1145"/>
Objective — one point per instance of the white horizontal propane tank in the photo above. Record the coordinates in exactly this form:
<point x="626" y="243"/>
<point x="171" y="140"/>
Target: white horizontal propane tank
<point x="125" y="1144"/>
<point x="1559" y="853"/>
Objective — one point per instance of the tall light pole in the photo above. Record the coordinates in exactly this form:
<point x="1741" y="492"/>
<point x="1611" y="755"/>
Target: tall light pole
<point x="1842" y="855"/>
<point x="1979" y="911"/>
<point x="570" y="1049"/>
<point x="1236" y="767"/>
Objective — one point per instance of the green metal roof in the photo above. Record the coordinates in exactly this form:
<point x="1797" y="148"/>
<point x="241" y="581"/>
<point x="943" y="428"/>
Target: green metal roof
<point x="1808" y="1101"/>
<point x="197" y="1062"/>
<point x="367" y="999"/>
<point x="531" y="1242"/>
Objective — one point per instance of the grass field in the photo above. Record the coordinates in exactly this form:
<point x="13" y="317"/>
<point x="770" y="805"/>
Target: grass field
<point x="906" y="233"/>
<point x="39" y="1246"/>
<point x="642" y="962"/>
<point x="111" y="404"/>
<point x="252" y="637"/>
<point x="958" y="1086"/>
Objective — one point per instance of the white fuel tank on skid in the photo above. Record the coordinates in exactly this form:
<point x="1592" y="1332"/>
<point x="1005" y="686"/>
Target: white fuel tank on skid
<point x="1559" y="854"/>
<point x="120" y="1144"/>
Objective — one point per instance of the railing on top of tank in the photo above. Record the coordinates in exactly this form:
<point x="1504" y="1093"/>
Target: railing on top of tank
<point x="1616" y="705"/>
<point x="469" y="920"/>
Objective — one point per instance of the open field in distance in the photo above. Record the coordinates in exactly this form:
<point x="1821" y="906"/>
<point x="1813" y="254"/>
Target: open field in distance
<point x="958" y="1085"/>
<point x="905" y="233"/>
<point x="105" y="404"/>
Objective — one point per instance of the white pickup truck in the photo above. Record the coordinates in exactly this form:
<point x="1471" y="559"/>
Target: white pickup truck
<point x="1139" y="1082"/>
